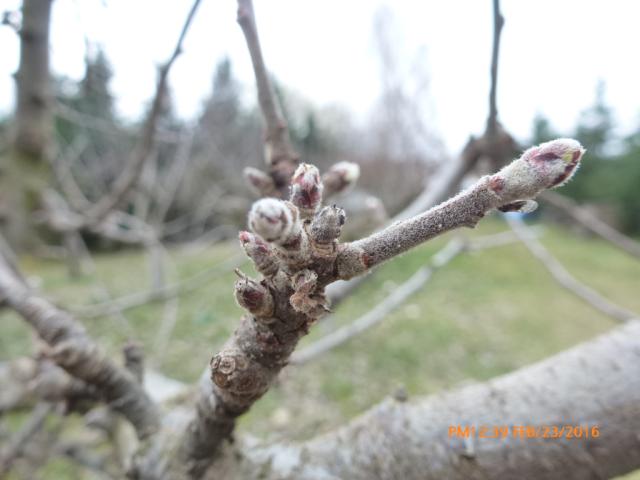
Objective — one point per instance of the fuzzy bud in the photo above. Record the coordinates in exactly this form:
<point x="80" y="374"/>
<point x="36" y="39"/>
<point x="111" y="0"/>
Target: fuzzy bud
<point x="306" y="189"/>
<point x="273" y="220"/>
<point x="253" y="296"/>
<point x="260" y="252"/>
<point x="327" y="224"/>
<point x="341" y="177"/>
<point x="259" y="182"/>
<point x="547" y="165"/>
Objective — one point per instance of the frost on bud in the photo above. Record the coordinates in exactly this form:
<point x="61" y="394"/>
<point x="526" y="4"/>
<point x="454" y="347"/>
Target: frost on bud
<point x="259" y="182"/>
<point x="273" y="220"/>
<point x="341" y="177"/>
<point x="305" y="299"/>
<point x="327" y="224"/>
<point x="260" y="252"/>
<point x="253" y="296"/>
<point x="306" y="189"/>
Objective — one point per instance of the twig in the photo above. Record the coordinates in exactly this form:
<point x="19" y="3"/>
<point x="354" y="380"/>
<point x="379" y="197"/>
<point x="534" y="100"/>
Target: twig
<point x="382" y="309"/>
<point x="591" y="222"/>
<point x="69" y="345"/>
<point x="498" y="23"/>
<point x="134" y="300"/>
<point x="564" y="278"/>
<point x="297" y="260"/>
<point x="399" y="295"/>
<point x="127" y="180"/>
<point x="280" y="156"/>
<point x="16" y="444"/>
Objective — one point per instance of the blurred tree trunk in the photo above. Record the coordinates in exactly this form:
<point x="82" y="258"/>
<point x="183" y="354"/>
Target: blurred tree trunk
<point x="25" y="170"/>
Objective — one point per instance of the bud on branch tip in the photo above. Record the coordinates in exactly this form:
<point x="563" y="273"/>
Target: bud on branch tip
<point x="306" y="189"/>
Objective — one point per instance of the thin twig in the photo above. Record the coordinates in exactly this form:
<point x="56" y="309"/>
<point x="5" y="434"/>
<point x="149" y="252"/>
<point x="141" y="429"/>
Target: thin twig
<point x="139" y="299"/>
<point x="591" y="222"/>
<point x="498" y="23"/>
<point x="127" y="180"/>
<point x="15" y="447"/>
<point x="399" y="295"/>
<point x="564" y="278"/>
<point x="281" y="156"/>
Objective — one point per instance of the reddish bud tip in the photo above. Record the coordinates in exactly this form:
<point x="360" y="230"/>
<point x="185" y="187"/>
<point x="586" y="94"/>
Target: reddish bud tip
<point x="271" y="219"/>
<point x="556" y="160"/>
<point x="254" y="297"/>
<point x="306" y="189"/>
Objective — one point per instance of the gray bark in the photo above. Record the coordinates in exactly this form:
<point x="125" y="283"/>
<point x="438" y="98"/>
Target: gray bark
<point x="593" y="384"/>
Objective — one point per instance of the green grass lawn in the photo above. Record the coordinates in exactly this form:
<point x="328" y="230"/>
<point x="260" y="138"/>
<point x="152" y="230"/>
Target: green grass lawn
<point x="482" y="315"/>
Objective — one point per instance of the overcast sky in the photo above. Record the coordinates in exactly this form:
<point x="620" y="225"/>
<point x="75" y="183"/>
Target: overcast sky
<point x="553" y="54"/>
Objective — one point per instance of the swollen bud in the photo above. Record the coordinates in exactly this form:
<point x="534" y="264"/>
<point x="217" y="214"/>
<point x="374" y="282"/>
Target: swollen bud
<point x="260" y="252"/>
<point x="327" y="224"/>
<point x="306" y="189"/>
<point x="259" y="182"/>
<point x="253" y="296"/>
<point x="273" y="220"/>
<point x="341" y="177"/>
<point x="557" y="160"/>
<point x="547" y="165"/>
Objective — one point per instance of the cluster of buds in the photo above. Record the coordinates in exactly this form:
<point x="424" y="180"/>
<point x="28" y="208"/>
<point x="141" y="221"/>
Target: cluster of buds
<point x="292" y="241"/>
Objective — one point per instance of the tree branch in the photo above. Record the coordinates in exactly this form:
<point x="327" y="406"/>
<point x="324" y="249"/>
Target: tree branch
<point x="16" y="445"/>
<point x="592" y="223"/>
<point x="564" y="278"/>
<point x="280" y="155"/>
<point x="538" y="169"/>
<point x="592" y="385"/>
<point x="399" y="295"/>
<point x="123" y="184"/>
<point x="498" y="23"/>
<point x="73" y="350"/>
<point x="294" y="246"/>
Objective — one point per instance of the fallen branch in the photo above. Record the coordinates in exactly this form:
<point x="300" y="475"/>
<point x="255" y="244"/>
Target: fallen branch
<point x="564" y="278"/>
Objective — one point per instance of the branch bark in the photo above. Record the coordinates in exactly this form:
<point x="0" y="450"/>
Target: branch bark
<point x="294" y="245"/>
<point x="280" y="155"/>
<point x="592" y="385"/>
<point x="73" y="350"/>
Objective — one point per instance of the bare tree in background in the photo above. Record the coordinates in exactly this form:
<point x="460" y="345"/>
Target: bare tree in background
<point x="25" y="169"/>
<point x="294" y="245"/>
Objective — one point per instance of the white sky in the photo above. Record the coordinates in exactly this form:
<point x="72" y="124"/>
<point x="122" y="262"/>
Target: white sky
<point x="553" y="53"/>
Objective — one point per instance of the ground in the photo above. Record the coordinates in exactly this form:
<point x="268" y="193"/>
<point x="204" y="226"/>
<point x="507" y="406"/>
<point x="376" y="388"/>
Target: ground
<point x="482" y="315"/>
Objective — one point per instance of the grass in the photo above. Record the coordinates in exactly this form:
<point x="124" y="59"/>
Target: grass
<point x="484" y="314"/>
